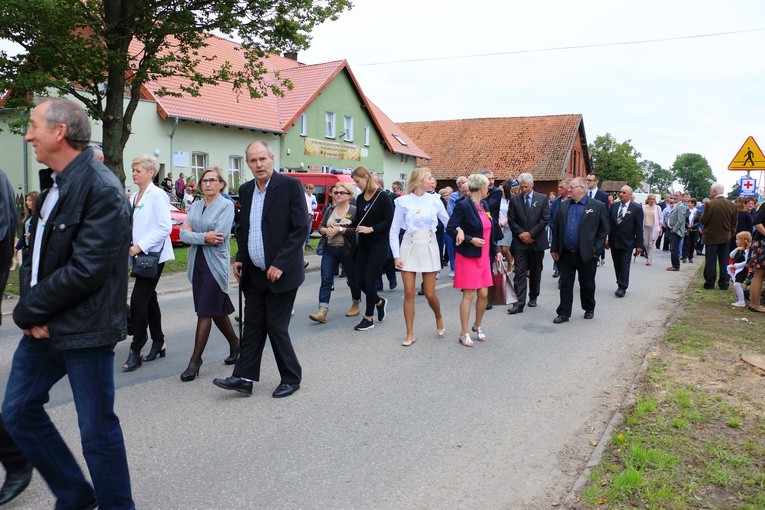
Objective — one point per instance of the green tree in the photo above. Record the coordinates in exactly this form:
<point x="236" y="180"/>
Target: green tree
<point x="734" y="192"/>
<point x="83" y="49"/>
<point x="694" y="173"/>
<point x="660" y="179"/>
<point x="615" y="161"/>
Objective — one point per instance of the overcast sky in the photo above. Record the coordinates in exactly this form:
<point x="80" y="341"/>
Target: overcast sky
<point x="689" y="94"/>
<point x="440" y="59"/>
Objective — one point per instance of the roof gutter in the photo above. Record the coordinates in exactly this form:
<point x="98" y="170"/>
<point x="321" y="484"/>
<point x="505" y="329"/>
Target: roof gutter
<point x="172" y="134"/>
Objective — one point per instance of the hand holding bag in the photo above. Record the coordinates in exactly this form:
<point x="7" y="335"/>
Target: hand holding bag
<point x="501" y="292"/>
<point x="146" y="265"/>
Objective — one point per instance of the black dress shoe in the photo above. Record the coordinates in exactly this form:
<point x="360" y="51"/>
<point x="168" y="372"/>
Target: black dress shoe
<point x="90" y="506"/>
<point x="489" y="306"/>
<point x="560" y="319"/>
<point x="556" y="273"/>
<point x="532" y="303"/>
<point x="15" y="483"/>
<point x="235" y="384"/>
<point x="620" y="292"/>
<point x="589" y="314"/>
<point x="516" y="308"/>
<point x="285" y="390"/>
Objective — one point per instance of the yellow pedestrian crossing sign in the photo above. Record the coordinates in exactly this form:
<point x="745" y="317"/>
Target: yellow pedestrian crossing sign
<point x="748" y="157"/>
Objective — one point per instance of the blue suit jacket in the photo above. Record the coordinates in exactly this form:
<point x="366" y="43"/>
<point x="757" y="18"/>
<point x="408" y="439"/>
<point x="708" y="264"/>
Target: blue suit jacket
<point x="465" y="216"/>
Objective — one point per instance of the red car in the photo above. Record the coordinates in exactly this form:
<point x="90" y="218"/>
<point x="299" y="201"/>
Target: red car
<point x="178" y="218"/>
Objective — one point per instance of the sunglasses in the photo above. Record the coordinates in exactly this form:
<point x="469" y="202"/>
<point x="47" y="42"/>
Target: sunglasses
<point x="340" y="193"/>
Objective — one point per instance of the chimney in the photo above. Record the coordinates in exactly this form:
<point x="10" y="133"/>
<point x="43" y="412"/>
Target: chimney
<point x="292" y="55"/>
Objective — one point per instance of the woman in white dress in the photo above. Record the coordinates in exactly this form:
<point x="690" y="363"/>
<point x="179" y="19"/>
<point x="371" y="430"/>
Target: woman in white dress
<point x="418" y="213"/>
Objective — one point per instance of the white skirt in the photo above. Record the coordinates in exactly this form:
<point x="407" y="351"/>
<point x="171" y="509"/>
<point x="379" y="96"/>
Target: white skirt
<point x="419" y="252"/>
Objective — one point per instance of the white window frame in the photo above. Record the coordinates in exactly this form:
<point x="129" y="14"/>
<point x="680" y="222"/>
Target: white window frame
<point x="199" y="163"/>
<point x="329" y="125"/>
<point x="303" y="125"/>
<point x="235" y="164"/>
<point x="366" y="136"/>
<point x="348" y="126"/>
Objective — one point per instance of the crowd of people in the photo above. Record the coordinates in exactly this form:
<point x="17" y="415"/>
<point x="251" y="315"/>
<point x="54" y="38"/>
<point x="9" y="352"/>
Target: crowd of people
<point x="72" y="306"/>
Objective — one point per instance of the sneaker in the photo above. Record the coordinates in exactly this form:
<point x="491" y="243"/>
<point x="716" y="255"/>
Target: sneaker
<point x="739" y="304"/>
<point x="381" y="309"/>
<point x="364" y="325"/>
<point x="451" y="274"/>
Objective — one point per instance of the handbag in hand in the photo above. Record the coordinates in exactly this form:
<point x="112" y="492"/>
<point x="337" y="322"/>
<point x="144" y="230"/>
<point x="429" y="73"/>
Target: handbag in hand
<point x="501" y="292"/>
<point x="146" y="265"/>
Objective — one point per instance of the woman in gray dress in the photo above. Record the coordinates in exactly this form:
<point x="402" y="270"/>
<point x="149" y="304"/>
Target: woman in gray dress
<point x="208" y="229"/>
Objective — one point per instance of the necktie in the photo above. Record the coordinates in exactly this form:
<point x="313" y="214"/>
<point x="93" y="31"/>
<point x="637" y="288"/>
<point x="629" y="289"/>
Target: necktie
<point x="528" y="202"/>
<point x="592" y="193"/>
<point x="620" y="216"/>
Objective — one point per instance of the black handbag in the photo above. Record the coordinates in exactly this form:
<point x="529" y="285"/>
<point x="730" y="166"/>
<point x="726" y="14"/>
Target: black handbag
<point x="146" y="265"/>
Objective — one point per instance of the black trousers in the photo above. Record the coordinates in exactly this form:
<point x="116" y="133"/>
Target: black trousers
<point x="666" y="238"/>
<point x="266" y="314"/>
<point x="689" y="245"/>
<point x="570" y="263"/>
<point x="144" y="310"/>
<point x="370" y="259"/>
<point x="524" y="260"/>
<point x="10" y="455"/>
<point x="621" y="259"/>
<point x="716" y="257"/>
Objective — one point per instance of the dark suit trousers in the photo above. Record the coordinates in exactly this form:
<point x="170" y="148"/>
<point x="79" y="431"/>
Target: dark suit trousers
<point x="10" y="455"/>
<point x="689" y="245"/>
<point x="622" y="261"/>
<point x="716" y="256"/>
<point x="266" y="314"/>
<point x="530" y="260"/>
<point x="569" y="263"/>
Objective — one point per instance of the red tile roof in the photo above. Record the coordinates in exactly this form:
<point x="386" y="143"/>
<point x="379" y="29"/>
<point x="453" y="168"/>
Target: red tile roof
<point x="220" y="104"/>
<point x="508" y="146"/>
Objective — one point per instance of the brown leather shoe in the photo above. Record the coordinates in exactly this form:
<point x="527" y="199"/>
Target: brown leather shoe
<point x="670" y="268"/>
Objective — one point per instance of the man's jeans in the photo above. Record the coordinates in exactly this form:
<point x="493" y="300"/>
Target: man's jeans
<point x="37" y="366"/>
<point x="675" y="245"/>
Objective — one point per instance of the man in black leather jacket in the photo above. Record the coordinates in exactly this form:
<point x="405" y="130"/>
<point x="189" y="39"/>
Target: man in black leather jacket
<point x="72" y="313"/>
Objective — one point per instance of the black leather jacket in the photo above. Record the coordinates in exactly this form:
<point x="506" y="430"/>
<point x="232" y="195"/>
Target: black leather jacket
<point x="81" y="290"/>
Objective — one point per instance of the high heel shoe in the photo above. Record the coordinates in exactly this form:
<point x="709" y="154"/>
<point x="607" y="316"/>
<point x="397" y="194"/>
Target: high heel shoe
<point x="441" y="332"/>
<point x="134" y="361"/>
<point x="156" y="350"/>
<point x="232" y="357"/>
<point x="479" y="335"/>
<point x="192" y="371"/>
<point x="465" y="340"/>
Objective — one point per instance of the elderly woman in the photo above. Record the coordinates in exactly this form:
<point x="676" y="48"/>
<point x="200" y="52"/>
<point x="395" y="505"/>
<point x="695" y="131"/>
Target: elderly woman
<point x="652" y="226"/>
<point x="374" y="212"/>
<point x="470" y="226"/>
<point x="151" y="234"/>
<point x="208" y="229"/>
<point x="418" y="213"/>
<point x="337" y="251"/>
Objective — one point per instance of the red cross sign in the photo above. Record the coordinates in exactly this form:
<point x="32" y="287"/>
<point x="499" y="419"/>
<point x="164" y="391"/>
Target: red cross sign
<point x="747" y="186"/>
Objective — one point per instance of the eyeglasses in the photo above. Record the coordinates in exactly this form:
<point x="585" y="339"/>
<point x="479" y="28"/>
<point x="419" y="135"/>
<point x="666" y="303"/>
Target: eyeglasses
<point x="209" y="181"/>
<point x="340" y="193"/>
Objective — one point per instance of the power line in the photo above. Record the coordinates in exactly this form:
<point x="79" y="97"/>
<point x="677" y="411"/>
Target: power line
<point x="562" y="48"/>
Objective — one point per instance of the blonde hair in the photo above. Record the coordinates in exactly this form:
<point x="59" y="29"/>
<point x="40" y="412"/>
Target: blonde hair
<point x="363" y="173"/>
<point x="746" y="237"/>
<point x="347" y="186"/>
<point x="418" y="177"/>
<point x="147" y="162"/>
<point x="477" y="181"/>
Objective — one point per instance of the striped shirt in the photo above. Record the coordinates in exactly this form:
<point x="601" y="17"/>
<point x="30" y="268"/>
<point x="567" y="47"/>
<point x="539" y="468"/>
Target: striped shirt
<point x="255" y="245"/>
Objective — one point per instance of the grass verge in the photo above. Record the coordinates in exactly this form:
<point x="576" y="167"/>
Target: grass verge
<point x="695" y="437"/>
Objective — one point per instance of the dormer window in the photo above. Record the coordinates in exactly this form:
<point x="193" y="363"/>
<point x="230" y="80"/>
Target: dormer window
<point x="399" y="139"/>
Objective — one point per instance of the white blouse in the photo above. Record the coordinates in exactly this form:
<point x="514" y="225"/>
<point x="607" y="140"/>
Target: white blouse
<point x="413" y="213"/>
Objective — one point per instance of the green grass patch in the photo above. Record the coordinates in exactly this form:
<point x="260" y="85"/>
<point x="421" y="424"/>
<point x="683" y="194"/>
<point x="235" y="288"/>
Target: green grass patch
<point x="688" y="441"/>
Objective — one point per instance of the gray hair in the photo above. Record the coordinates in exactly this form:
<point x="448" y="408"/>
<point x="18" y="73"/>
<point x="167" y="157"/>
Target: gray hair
<point x="578" y="181"/>
<point x="460" y="180"/>
<point x="97" y="152"/>
<point x="148" y="162"/>
<point x="526" y="178"/>
<point x="67" y="112"/>
<point x="628" y="187"/>
<point x="477" y="181"/>
<point x="718" y="188"/>
<point x="265" y="145"/>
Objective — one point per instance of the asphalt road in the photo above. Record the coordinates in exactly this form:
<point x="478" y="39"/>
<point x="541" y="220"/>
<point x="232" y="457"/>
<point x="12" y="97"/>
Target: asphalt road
<point x="509" y="423"/>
